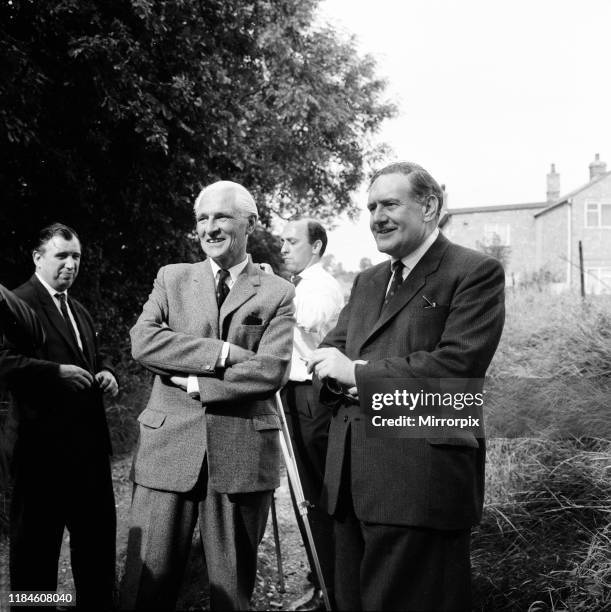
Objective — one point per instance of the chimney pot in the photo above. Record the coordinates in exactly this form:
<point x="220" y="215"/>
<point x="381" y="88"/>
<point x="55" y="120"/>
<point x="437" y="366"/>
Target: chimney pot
<point x="597" y="167"/>
<point x="553" y="184"/>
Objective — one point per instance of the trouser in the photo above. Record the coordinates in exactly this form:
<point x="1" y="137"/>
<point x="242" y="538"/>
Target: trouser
<point x="308" y="424"/>
<point x="395" y="567"/>
<point x="161" y="530"/>
<point x="76" y="493"/>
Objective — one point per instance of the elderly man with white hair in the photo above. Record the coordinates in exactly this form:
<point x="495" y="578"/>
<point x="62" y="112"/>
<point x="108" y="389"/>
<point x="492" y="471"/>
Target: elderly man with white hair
<point x="218" y="336"/>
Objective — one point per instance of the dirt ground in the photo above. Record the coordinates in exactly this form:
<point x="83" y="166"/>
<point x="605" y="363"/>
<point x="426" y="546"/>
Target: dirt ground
<point x="194" y="595"/>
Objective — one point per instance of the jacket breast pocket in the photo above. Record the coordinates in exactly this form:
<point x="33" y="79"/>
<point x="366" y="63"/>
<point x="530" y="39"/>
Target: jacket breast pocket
<point x="249" y="336"/>
<point x="152" y="418"/>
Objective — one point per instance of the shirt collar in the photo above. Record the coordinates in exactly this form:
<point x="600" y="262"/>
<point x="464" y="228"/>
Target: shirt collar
<point x="234" y="271"/>
<point x="52" y="292"/>
<point x="310" y="271"/>
<point x="410" y="260"/>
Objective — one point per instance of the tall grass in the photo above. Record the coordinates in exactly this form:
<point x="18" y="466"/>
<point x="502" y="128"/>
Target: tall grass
<point x="545" y="542"/>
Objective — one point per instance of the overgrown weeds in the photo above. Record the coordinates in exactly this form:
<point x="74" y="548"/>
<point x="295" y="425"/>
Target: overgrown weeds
<point x="544" y="542"/>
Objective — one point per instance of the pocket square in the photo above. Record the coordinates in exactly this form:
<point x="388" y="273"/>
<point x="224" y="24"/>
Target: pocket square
<point x="252" y="320"/>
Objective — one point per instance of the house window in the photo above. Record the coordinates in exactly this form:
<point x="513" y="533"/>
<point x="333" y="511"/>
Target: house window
<point x="598" y="280"/>
<point x="497" y="233"/>
<point x="598" y="214"/>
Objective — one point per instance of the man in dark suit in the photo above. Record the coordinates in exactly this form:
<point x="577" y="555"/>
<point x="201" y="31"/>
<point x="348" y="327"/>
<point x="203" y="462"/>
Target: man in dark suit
<point x="218" y="335"/>
<point x="403" y="508"/>
<point x="61" y="455"/>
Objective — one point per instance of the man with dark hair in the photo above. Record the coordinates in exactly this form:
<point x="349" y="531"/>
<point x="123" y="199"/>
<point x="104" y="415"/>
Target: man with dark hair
<point x="403" y="507"/>
<point x="318" y="301"/>
<point x="61" y="464"/>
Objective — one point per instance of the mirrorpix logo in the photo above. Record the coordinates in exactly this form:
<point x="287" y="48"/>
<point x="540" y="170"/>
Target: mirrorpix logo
<point x="424" y="408"/>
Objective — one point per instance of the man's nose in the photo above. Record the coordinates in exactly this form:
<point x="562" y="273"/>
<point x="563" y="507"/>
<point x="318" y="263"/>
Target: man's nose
<point x="284" y="250"/>
<point x="210" y="226"/>
<point x="378" y="216"/>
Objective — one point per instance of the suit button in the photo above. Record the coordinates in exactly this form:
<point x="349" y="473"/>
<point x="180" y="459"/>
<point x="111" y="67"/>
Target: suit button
<point x="345" y="418"/>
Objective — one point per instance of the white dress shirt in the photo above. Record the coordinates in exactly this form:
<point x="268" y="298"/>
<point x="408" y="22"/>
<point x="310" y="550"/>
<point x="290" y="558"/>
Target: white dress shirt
<point x="318" y="302"/>
<point x="52" y="293"/>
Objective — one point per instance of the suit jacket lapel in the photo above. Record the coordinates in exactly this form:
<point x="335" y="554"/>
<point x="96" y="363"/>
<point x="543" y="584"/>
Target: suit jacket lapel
<point x="86" y="340"/>
<point x="205" y="296"/>
<point x="55" y="317"/>
<point x="369" y="309"/>
<point x="412" y="285"/>
<point x="243" y="289"/>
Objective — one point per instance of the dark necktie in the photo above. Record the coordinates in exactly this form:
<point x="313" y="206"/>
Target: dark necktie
<point x="64" y="309"/>
<point x="395" y="283"/>
<point x="296" y="279"/>
<point x="222" y="289"/>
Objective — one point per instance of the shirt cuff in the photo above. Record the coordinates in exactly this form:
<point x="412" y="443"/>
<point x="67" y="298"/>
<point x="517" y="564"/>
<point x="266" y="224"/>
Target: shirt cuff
<point x="220" y="362"/>
<point x="193" y="386"/>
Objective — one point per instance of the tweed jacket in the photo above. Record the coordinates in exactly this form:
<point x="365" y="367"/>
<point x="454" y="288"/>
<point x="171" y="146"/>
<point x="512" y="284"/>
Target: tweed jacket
<point x="234" y="420"/>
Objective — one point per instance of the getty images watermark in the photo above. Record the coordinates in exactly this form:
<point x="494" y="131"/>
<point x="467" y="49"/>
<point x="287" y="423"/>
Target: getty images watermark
<point x="559" y="407"/>
<point x="424" y="408"/>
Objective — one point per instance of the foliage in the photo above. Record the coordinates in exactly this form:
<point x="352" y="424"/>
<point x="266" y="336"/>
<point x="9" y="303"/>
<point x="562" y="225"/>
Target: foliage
<point x="336" y="269"/>
<point x="495" y="248"/>
<point x="543" y="543"/>
<point x="114" y="114"/>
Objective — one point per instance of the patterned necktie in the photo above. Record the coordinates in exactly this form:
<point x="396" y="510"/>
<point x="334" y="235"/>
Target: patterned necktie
<point x="395" y="283"/>
<point x="222" y="289"/>
<point x="296" y="279"/>
<point x="64" y="309"/>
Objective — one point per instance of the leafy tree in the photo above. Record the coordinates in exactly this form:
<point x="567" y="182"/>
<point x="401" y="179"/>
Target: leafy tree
<point x="114" y="113"/>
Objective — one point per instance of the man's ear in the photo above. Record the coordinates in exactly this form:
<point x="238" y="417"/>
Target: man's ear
<point x="252" y="223"/>
<point x="316" y="246"/>
<point x="430" y="207"/>
<point x="36" y="255"/>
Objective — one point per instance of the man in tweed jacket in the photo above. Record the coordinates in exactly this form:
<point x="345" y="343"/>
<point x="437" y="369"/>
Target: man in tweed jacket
<point x="218" y="336"/>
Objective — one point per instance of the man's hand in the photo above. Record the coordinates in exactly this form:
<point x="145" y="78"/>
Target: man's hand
<point x="331" y="363"/>
<point x="74" y="377"/>
<point x="108" y="383"/>
<point x="179" y="381"/>
<point x="237" y="354"/>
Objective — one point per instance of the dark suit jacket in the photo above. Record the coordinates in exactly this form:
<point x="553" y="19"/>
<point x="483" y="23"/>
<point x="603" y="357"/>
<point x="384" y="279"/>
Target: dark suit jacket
<point x="439" y="482"/>
<point x="51" y="417"/>
<point x="234" y="421"/>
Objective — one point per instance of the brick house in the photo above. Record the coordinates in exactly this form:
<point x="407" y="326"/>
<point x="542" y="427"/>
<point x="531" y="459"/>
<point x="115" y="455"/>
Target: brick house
<point x="542" y="238"/>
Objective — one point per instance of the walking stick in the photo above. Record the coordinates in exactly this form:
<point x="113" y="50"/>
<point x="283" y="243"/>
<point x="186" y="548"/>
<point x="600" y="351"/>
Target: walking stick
<point x="277" y="543"/>
<point x="301" y="502"/>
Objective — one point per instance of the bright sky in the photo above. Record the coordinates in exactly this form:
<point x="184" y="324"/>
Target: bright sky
<point x="490" y="93"/>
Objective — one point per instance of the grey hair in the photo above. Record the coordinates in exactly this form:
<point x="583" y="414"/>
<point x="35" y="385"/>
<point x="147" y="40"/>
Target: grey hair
<point x="243" y="198"/>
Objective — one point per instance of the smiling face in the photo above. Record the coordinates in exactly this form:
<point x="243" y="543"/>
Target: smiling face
<point x="398" y="222"/>
<point x="223" y="227"/>
<point x="57" y="262"/>
<point x="297" y="252"/>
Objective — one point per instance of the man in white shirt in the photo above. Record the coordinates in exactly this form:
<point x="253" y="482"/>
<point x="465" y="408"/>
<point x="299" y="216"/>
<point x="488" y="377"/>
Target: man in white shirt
<point x="318" y="301"/>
